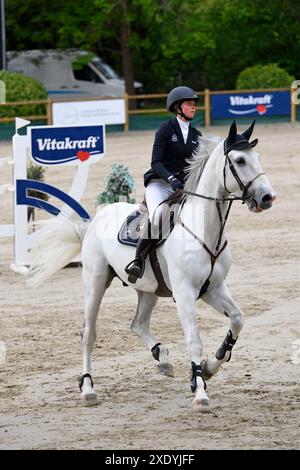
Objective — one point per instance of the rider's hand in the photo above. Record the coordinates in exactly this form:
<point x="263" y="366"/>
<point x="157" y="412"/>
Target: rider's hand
<point x="175" y="183"/>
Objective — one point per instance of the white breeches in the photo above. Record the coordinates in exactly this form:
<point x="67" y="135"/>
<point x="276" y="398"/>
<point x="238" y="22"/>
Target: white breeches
<point x="157" y="191"/>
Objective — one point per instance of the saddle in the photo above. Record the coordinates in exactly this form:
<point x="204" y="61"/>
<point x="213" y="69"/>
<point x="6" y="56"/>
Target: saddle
<point x="129" y="234"/>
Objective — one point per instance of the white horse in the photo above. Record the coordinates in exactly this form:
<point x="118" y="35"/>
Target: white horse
<point x="195" y="258"/>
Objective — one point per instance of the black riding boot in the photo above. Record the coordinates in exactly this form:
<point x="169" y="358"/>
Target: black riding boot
<point x="136" y="268"/>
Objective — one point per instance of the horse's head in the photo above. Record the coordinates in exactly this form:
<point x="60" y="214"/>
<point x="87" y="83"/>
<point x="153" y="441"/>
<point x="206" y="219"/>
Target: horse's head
<point x="242" y="173"/>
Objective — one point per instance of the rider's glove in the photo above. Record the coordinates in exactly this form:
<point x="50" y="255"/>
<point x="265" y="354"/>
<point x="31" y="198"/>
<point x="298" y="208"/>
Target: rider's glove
<point x="175" y="183"/>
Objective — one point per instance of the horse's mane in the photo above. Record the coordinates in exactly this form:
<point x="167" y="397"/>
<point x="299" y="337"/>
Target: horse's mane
<point x="198" y="161"/>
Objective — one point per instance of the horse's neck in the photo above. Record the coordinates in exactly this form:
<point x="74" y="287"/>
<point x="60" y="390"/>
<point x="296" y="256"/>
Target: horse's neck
<point x="201" y="215"/>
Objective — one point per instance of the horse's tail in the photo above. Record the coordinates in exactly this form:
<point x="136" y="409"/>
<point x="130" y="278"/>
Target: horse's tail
<point x="57" y="242"/>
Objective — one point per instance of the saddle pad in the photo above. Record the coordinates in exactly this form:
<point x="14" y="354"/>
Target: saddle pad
<point x="129" y="233"/>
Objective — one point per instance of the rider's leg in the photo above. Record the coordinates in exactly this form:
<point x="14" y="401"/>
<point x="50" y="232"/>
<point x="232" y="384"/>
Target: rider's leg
<point x="156" y="192"/>
<point x="137" y="267"/>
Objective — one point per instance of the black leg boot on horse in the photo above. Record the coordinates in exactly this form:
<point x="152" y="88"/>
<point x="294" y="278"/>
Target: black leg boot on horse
<point x="135" y="269"/>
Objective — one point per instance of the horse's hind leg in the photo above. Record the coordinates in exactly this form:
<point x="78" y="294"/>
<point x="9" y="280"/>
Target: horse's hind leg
<point x="220" y="299"/>
<point x="140" y="326"/>
<point x="95" y="283"/>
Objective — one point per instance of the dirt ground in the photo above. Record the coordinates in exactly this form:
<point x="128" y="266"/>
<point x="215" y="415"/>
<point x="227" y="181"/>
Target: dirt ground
<point x="254" y="399"/>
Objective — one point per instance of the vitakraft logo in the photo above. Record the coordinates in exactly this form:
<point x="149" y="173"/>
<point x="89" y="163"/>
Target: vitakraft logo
<point x="250" y="104"/>
<point x="66" y="145"/>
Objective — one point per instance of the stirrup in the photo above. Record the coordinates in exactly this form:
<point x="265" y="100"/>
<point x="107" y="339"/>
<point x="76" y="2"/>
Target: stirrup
<point x="132" y="277"/>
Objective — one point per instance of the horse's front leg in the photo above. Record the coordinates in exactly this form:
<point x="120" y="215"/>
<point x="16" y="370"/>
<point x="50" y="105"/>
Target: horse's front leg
<point x="220" y="299"/>
<point x="185" y="296"/>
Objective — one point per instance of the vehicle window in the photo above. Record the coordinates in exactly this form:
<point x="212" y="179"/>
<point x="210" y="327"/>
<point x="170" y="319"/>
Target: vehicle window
<point x="104" y="68"/>
<point x="87" y="74"/>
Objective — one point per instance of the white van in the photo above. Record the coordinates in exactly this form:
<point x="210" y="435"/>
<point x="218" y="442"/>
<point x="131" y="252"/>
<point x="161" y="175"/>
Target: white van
<point x="69" y="74"/>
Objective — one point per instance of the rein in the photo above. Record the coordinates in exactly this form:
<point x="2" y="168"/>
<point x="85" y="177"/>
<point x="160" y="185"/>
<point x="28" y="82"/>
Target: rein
<point x="243" y="187"/>
<point x="221" y="199"/>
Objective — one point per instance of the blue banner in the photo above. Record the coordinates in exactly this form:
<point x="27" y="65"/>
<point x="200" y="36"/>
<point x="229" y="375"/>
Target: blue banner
<point x="66" y="145"/>
<point x="234" y="105"/>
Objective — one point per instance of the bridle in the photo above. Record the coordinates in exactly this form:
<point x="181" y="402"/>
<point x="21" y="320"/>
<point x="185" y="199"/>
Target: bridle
<point x="245" y="196"/>
<point x="243" y="187"/>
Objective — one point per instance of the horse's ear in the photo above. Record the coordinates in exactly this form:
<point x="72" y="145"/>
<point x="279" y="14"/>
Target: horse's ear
<point x="248" y="132"/>
<point x="232" y="134"/>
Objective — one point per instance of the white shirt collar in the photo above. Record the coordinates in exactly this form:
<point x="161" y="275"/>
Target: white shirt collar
<point x="184" y="126"/>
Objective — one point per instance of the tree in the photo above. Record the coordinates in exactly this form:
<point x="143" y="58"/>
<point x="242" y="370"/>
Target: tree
<point x="143" y="39"/>
<point x="242" y="33"/>
<point x="68" y="24"/>
<point x="163" y="43"/>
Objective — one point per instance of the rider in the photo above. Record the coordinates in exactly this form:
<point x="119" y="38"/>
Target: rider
<point x="175" y="141"/>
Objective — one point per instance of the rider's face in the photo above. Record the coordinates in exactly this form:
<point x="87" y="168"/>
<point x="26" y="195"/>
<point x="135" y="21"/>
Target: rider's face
<point x="189" y="108"/>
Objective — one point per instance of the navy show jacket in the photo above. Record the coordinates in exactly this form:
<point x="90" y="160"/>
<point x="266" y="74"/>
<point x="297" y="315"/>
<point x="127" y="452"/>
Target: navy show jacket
<point x="170" y="152"/>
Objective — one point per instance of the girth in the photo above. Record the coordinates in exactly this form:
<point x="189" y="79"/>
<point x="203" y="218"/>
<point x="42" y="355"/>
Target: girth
<point x="162" y="289"/>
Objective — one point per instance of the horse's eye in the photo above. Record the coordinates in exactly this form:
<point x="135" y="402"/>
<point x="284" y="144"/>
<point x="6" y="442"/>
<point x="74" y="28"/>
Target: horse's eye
<point x="240" y="161"/>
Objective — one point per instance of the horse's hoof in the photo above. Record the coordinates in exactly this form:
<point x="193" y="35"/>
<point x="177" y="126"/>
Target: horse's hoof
<point x="201" y="405"/>
<point x="166" y="369"/>
<point x="206" y="375"/>
<point x="89" y="399"/>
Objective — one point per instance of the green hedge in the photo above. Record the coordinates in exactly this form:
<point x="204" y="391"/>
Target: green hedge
<point x="20" y="87"/>
<point x="263" y="76"/>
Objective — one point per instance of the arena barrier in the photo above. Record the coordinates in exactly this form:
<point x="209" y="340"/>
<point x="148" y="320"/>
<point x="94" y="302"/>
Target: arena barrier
<point x="79" y="146"/>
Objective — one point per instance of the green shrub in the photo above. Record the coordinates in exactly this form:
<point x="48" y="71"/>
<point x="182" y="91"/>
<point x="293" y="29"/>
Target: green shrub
<point x="37" y="173"/>
<point x="263" y="76"/>
<point x="119" y="186"/>
<point x="20" y="87"/>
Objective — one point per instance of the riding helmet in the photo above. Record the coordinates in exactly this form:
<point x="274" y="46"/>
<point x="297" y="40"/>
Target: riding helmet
<point x="180" y="94"/>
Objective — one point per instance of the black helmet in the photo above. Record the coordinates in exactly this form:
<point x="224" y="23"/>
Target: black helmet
<point x="179" y="94"/>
